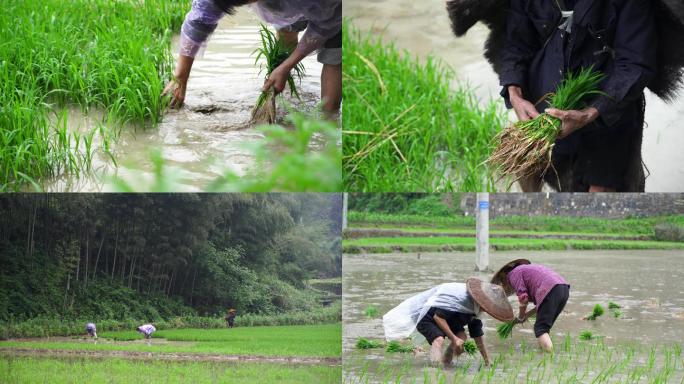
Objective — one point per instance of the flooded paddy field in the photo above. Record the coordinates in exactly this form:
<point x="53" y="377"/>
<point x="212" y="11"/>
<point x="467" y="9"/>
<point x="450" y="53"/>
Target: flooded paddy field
<point x="423" y="29"/>
<point x="643" y="344"/>
<point x="210" y="134"/>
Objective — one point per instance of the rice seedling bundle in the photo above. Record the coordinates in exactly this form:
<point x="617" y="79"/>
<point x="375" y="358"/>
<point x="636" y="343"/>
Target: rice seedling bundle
<point x="586" y="335"/>
<point x="397" y="347"/>
<point x="363" y="343"/>
<point x="524" y="149"/>
<point x="595" y="313"/>
<point x="612" y="305"/>
<point x="275" y="52"/>
<point x="470" y="347"/>
<point x="371" y="311"/>
<point x="505" y="330"/>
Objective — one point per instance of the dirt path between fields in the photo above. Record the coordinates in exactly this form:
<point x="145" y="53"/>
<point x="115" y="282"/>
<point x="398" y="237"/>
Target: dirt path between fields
<point x="28" y="352"/>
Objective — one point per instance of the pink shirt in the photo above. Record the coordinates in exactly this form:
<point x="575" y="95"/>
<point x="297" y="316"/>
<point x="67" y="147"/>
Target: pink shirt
<point x="534" y="281"/>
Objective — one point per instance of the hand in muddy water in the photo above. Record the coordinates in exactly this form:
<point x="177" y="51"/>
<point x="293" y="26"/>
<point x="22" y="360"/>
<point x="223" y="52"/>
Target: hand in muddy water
<point x="573" y="120"/>
<point x="277" y="79"/>
<point x="176" y="89"/>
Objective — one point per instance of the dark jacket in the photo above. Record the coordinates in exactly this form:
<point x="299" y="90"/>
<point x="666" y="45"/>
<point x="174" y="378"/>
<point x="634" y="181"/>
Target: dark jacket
<point x="618" y="37"/>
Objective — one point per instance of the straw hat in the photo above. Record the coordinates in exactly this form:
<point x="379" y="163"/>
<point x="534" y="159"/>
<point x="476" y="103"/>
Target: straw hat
<point x="499" y="277"/>
<point x="491" y="298"/>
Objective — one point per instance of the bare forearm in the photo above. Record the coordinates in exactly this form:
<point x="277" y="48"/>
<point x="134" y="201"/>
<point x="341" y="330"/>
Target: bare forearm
<point x="442" y="324"/>
<point x="183" y="67"/>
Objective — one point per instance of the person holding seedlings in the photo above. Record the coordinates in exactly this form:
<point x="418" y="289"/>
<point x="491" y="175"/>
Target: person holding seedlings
<point x="545" y="40"/>
<point x="147" y="330"/>
<point x="442" y="313"/>
<point x="322" y="20"/>
<point x="91" y="330"/>
<point x="230" y="318"/>
<point x="539" y="285"/>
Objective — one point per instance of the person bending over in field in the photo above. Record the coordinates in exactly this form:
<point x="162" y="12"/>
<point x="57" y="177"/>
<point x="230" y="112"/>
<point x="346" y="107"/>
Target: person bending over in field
<point x="147" y="330"/>
<point x="598" y="148"/>
<point x="322" y="20"/>
<point x="439" y="314"/>
<point x="539" y="285"/>
<point x="91" y="330"/>
<point x="230" y="318"/>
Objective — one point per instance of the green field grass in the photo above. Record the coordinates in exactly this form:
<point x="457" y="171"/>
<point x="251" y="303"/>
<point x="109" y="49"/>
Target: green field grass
<point x="637" y="226"/>
<point x="49" y="370"/>
<point x="406" y="129"/>
<point x="426" y="244"/>
<point x="501" y="232"/>
<point x="303" y="341"/>
<point x="111" y="55"/>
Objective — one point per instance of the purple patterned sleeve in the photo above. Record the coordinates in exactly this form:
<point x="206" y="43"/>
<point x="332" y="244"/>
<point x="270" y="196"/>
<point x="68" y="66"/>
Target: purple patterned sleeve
<point x="517" y="282"/>
<point x="198" y="26"/>
<point x="324" y="23"/>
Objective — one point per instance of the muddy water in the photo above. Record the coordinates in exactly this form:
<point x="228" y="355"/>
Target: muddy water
<point x="645" y="283"/>
<point x="211" y="133"/>
<point x="422" y="27"/>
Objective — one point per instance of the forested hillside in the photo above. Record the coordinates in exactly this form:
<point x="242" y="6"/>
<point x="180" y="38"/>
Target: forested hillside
<point x="112" y="256"/>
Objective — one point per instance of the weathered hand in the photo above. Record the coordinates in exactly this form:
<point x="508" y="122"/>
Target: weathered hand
<point x="523" y="108"/>
<point x="277" y="79"/>
<point x="519" y="320"/>
<point x="573" y="120"/>
<point x="457" y="345"/>
<point x="176" y="88"/>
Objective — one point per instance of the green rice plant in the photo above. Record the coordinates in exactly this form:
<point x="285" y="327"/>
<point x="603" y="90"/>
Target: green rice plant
<point x="595" y="313"/>
<point x="586" y="335"/>
<point x="505" y="330"/>
<point x="617" y="313"/>
<point x="87" y="53"/>
<point x="363" y="343"/>
<point x="395" y="346"/>
<point x="524" y="149"/>
<point x="371" y="311"/>
<point x="275" y="52"/>
<point x="405" y="128"/>
<point x="612" y="305"/>
<point x="470" y="347"/>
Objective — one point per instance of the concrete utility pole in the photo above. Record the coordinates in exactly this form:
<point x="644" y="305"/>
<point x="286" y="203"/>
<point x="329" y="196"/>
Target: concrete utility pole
<point x="482" y="247"/>
<point x="344" y="211"/>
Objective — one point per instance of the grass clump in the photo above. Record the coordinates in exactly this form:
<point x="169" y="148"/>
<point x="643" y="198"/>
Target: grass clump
<point x="586" y="335"/>
<point x="505" y="330"/>
<point x="275" y="52"/>
<point x="612" y="305"/>
<point x="406" y="130"/>
<point x="113" y="55"/>
<point x="397" y="347"/>
<point x="617" y="313"/>
<point x="470" y="347"/>
<point x="363" y="343"/>
<point x="371" y="311"/>
<point x="524" y="149"/>
<point x="595" y="313"/>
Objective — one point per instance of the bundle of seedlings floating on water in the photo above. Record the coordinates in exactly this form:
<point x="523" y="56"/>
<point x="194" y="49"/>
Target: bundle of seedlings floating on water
<point x="275" y="51"/>
<point x="363" y="343"/>
<point x="595" y="313"/>
<point x="524" y="149"/>
<point x="397" y="347"/>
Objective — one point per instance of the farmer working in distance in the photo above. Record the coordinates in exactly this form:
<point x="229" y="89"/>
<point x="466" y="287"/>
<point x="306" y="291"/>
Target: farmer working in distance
<point x="230" y="317"/>
<point x="443" y="312"/>
<point x="547" y="39"/>
<point x="537" y="284"/>
<point x="322" y="20"/>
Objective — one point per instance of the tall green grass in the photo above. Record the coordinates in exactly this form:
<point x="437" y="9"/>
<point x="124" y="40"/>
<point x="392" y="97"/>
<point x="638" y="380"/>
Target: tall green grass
<point x="53" y="370"/>
<point x="406" y="129"/>
<point x="113" y="55"/>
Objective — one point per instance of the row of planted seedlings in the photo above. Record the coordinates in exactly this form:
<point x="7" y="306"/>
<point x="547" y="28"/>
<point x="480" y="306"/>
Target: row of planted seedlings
<point x="575" y="361"/>
<point x="113" y="56"/>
